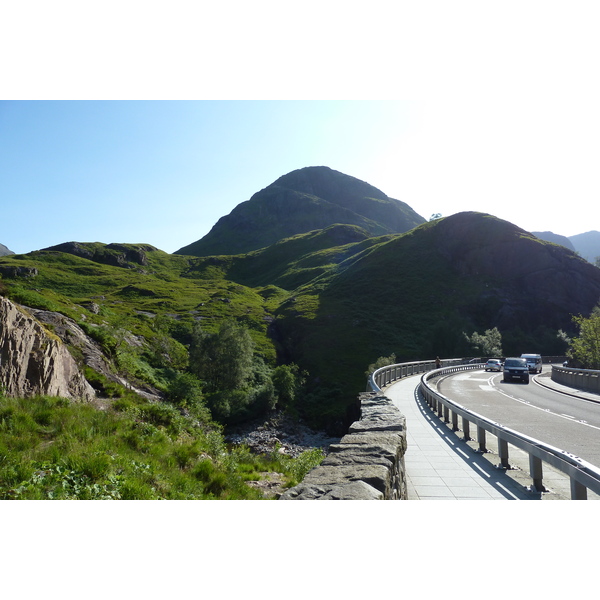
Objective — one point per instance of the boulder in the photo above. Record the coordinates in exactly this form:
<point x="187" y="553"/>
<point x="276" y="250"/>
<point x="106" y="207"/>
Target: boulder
<point x="34" y="361"/>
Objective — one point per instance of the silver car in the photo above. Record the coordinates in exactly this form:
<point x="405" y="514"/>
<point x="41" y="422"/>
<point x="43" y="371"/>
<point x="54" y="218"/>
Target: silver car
<point x="493" y="364"/>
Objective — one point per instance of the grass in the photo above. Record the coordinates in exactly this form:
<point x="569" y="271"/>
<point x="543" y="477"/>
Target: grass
<point x="51" y="448"/>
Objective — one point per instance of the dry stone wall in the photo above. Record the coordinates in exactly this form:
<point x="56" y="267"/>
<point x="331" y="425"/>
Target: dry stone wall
<point x="367" y="463"/>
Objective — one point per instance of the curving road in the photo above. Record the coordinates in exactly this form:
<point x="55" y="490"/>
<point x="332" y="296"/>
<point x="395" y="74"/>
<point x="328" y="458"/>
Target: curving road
<point x="569" y="423"/>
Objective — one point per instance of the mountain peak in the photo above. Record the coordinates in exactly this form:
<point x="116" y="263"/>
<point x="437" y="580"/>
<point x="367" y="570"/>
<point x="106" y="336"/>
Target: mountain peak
<point x="304" y="200"/>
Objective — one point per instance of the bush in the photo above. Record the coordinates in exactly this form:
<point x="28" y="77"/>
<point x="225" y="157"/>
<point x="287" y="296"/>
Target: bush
<point x="184" y="389"/>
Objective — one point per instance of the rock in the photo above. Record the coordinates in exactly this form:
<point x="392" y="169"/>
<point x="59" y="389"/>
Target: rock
<point x="12" y="271"/>
<point x="34" y="361"/>
<point x="356" y="490"/>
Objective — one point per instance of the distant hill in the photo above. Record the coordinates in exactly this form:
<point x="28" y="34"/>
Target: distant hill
<point x="587" y="244"/>
<point x="304" y="200"/>
<point x="414" y="294"/>
<point x="4" y="251"/>
<point x="548" y="236"/>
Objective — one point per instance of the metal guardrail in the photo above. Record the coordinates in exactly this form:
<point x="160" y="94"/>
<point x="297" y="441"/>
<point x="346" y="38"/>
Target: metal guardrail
<point x="582" y="475"/>
<point x="386" y="375"/>
<point x="581" y="379"/>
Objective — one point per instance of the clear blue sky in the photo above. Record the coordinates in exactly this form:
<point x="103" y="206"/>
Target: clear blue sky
<point x="455" y="106"/>
<point x="164" y="172"/>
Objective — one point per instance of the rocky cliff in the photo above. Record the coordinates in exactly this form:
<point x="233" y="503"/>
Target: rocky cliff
<point x="34" y="361"/>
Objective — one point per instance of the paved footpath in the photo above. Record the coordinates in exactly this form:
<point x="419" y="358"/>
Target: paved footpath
<point x="440" y="465"/>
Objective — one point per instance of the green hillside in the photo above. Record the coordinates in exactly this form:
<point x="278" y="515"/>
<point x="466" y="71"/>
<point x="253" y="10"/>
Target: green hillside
<point x="330" y="301"/>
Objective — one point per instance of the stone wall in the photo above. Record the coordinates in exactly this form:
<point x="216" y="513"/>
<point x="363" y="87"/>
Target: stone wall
<point x="367" y="463"/>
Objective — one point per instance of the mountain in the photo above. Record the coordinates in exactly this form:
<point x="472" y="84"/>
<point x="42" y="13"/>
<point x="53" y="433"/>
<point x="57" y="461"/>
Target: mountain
<point x="555" y="238"/>
<point x="304" y="200"/>
<point x="331" y="300"/>
<point x="414" y="295"/>
<point x="4" y="251"/>
<point x="587" y="244"/>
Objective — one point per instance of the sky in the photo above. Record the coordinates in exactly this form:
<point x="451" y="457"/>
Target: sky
<point x="448" y="107"/>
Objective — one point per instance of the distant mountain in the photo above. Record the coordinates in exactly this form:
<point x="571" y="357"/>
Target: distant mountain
<point x="304" y="200"/>
<point x="587" y="244"/>
<point x="548" y="236"/>
<point x="4" y="251"/>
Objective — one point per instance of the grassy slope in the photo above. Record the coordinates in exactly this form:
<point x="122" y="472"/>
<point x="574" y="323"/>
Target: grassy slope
<point x="66" y="283"/>
<point x="338" y="299"/>
<point x="53" y="449"/>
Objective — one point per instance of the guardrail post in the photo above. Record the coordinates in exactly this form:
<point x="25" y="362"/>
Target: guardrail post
<point x="535" y="471"/>
<point x="454" y="421"/>
<point x="466" y="429"/>
<point x="481" y="439"/>
<point x="578" y="490"/>
<point x="503" y="453"/>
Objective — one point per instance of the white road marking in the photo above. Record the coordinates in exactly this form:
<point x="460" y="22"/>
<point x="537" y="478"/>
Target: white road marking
<point x="561" y="416"/>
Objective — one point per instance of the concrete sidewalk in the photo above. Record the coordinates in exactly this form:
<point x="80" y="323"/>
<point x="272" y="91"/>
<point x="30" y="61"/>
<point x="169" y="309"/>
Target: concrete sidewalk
<point x="441" y="465"/>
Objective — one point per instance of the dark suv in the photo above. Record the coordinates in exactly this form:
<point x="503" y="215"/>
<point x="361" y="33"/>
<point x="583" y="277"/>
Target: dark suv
<point x="516" y="368"/>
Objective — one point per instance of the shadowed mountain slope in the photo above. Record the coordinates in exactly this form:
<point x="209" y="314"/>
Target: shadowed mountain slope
<point x="301" y="201"/>
<point x="415" y="294"/>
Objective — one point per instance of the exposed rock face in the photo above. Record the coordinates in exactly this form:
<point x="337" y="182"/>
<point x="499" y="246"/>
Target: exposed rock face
<point x="69" y="332"/>
<point x="12" y="271"/>
<point x="116" y="255"/>
<point x="33" y="361"/>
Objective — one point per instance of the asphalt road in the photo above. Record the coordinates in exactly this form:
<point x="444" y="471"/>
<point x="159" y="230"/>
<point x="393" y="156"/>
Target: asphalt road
<point x="565" y="422"/>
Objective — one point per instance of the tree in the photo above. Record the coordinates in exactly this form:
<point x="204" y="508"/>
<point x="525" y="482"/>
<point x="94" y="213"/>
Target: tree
<point x="586" y="347"/>
<point x="288" y="382"/>
<point x="489" y="343"/>
<point x="382" y="361"/>
<point x="224" y="360"/>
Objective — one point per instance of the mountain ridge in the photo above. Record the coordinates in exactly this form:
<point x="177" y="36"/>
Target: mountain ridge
<point x="301" y="201"/>
<point x="585" y="244"/>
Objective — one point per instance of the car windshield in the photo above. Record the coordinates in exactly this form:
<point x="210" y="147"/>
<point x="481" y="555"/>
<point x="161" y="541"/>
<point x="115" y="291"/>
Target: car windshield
<point x="515" y="362"/>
